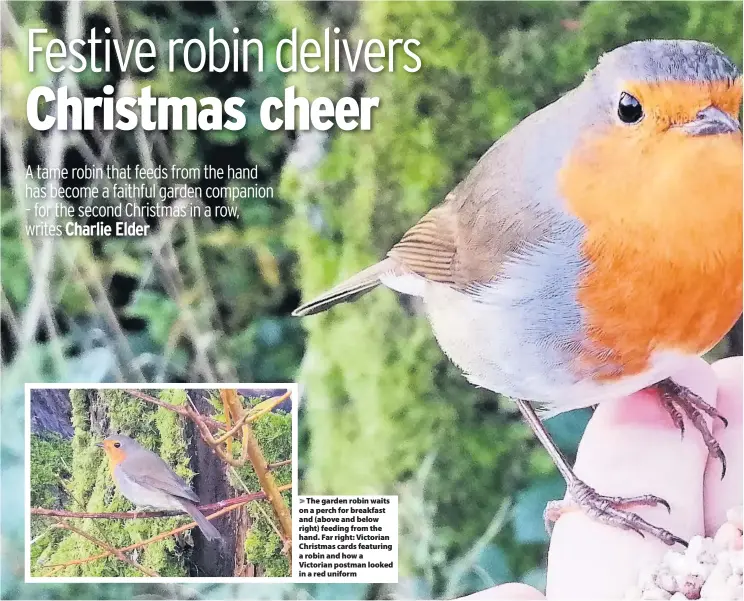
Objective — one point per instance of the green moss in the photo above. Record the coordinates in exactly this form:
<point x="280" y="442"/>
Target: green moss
<point x="51" y="462"/>
<point x="263" y="546"/>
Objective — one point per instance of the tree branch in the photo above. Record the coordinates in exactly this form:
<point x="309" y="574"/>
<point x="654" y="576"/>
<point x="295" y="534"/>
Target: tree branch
<point x="132" y="515"/>
<point x="204" y="420"/>
<point x="59" y="566"/>
<point x="252" y="450"/>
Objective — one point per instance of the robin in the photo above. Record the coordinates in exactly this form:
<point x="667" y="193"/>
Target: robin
<point x="591" y="248"/>
<point x="146" y="480"/>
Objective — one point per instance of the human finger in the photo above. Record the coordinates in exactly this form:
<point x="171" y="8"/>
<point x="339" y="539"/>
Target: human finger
<point x="631" y="447"/>
<point x="721" y="495"/>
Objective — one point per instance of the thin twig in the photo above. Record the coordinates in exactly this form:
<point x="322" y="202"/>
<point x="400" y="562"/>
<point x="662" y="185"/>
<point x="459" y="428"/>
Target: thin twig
<point x="227" y="436"/>
<point x="151" y="399"/>
<point x="130" y="515"/>
<point x="196" y="417"/>
<point x="467" y="561"/>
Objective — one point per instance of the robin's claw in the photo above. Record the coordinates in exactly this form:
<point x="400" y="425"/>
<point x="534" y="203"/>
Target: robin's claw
<point x="675" y="397"/>
<point x="611" y="510"/>
<point x="722" y="457"/>
<point x="640" y="500"/>
<point x="667" y="402"/>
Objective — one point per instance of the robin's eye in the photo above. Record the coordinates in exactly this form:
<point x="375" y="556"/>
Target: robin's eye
<point x="629" y="109"/>
<point x="117" y="444"/>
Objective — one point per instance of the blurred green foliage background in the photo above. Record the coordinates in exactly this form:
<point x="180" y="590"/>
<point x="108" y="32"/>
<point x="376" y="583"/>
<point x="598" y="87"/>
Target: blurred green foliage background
<point x="384" y="412"/>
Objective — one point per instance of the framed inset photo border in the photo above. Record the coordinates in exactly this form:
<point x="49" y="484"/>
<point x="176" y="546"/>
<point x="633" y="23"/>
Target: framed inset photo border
<point x="208" y="443"/>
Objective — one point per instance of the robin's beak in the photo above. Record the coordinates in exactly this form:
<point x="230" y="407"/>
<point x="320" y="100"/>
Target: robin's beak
<point x="99" y="445"/>
<point x="712" y="121"/>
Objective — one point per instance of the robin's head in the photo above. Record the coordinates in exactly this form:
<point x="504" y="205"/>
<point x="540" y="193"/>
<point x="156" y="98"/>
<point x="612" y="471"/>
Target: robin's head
<point x="667" y="86"/>
<point x="660" y="135"/>
<point x="117" y="447"/>
<point x="655" y="177"/>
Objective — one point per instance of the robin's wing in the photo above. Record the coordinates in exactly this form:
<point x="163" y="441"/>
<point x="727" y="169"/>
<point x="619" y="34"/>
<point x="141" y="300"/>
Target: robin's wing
<point x="490" y="219"/>
<point x="466" y="241"/>
<point x="429" y="248"/>
<point x="463" y="243"/>
<point x="151" y="471"/>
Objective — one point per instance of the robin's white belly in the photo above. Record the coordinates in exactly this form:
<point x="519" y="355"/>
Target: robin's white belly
<point x="516" y="355"/>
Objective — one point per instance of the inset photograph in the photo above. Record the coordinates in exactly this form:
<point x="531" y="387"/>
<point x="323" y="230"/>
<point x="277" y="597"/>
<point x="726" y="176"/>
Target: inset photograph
<point x="173" y="481"/>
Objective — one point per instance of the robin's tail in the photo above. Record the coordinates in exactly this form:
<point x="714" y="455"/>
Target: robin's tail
<point x="349" y="290"/>
<point x="209" y="531"/>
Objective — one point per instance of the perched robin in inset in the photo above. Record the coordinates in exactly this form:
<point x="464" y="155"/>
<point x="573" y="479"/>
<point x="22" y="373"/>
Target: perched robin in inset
<point x="146" y="480"/>
<point x="591" y="248"/>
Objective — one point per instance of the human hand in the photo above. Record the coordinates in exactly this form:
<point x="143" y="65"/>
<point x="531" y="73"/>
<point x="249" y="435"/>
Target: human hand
<point x="631" y="447"/>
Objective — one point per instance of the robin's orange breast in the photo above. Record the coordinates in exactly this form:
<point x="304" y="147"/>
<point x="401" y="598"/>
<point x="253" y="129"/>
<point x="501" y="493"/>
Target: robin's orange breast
<point x="663" y="244"/>
<point x="115" y="457"/>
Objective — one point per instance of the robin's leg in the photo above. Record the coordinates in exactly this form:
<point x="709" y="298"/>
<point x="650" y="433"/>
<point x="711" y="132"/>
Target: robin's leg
<point x="675" y="397"/>
<point x="606" y="509"/>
